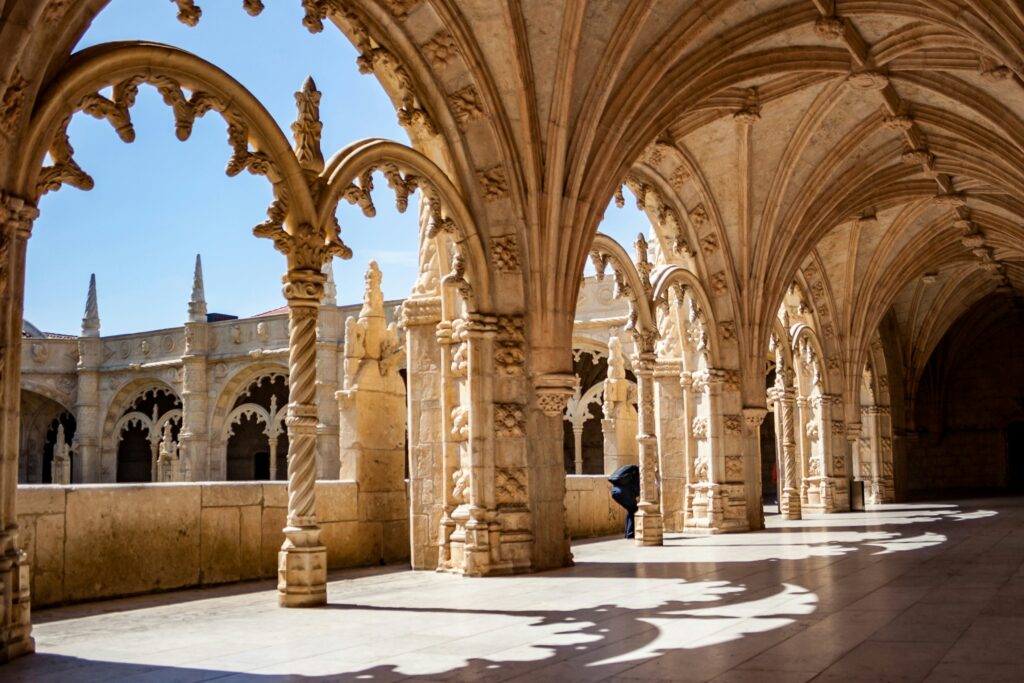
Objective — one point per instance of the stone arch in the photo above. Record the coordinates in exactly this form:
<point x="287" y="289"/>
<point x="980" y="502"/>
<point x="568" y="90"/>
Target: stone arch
<point x="688" y="283"/>
<point x="118" y="409"/>
<point x="38" y="411"/>
<point x="226" y="399"/>
<point x="447" y="213"/>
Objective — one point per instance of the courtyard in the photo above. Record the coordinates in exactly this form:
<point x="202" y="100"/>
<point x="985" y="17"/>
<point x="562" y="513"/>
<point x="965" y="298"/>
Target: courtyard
<point x="911" y="592"/>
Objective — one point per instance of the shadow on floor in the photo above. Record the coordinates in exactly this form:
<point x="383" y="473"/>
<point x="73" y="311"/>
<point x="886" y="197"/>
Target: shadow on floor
<point x="717" y="625"/>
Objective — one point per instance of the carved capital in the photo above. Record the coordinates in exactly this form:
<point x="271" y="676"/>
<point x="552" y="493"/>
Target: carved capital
<point x="554" y="392"/>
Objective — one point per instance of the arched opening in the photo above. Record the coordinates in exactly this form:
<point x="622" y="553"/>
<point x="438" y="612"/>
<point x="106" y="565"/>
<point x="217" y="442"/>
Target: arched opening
<point x="257" y="447"/>
<point x="151" y="420"/>
<point x="969" y="404"/>
<point x="40" y="418"/>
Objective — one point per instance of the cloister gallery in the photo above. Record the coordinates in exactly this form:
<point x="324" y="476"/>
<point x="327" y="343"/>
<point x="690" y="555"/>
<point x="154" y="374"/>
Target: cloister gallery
<point x="824" y="308"/>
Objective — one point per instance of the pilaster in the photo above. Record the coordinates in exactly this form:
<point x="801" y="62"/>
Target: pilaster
<point x="16" y="218"/>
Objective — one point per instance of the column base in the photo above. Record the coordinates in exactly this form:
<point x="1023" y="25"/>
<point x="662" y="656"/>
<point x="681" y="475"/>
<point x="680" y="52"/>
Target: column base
<point x="16" y="626"/>
<point x="302" y="570"/>
<point x="826" y="495"/>
<point x="716" y="509"/>
<point x="649" y="528"/>
<point x="790" y="504"/>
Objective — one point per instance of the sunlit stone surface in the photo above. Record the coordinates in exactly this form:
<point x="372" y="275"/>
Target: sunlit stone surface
<point x="911" y="592"/>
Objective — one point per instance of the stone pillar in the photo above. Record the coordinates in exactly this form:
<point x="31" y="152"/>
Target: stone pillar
<point x="302" y="561"/>
<point x="194" y="438"/>
<point x="87" y="403"/>
<point x="649" y="527"/>
<point x="726" y="493"/>
<point x="372" y="420"/>
<point x="671" y="430"/>
<point x="16" y="217"/>
<point x="328" y="343"/>
<point x="426" y="427"/>
<point x="753" y="418"/>
<point x="790" y="497"/>
<point x="875" y="451"/>
<point x="836" y="483"/>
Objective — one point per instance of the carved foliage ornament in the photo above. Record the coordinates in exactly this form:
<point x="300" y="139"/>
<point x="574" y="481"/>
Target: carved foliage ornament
<point x="509" y="420"/>
<point x="505" y="253"/>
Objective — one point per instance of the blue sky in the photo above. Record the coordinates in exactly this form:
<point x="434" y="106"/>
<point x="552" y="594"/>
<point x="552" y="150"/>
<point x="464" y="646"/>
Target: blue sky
<point x="159" y="201"/>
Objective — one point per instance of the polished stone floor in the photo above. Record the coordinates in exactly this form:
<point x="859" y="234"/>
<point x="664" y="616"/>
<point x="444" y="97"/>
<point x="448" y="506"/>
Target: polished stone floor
<point x="913" y="592"/>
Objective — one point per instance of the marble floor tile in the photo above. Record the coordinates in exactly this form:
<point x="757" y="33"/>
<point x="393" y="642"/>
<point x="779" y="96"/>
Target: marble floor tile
<point x="904" y="593"/>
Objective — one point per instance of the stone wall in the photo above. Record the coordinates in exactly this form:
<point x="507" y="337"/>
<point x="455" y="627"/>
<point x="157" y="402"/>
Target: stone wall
<point x="100" y="541"/>
<point x="589" y="508"/>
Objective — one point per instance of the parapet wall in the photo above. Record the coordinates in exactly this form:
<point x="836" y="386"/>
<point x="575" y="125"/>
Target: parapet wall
<point x="101" y="540"/>
<point x="589" y="508"/>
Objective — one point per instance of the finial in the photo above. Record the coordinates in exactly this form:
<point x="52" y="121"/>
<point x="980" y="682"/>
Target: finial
<point x="330" y="297"/>
<point x="197" y="304"/>
<point x="307" y="128"/>
<point x="373" y="297"/>
<point x="91" y="320"/>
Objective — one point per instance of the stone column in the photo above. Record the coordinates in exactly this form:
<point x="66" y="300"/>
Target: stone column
<point x="887" y="480"/>
<point x="16" y="217"/>
<point x="328" y="345"/>
<point x="194" y="438"/>
<point x="803" y="447"/>
<point x="671" y="429"/>
<point x="302" y="561"/>
<point x="577" y="444"/>
<point x="450" y="449"/>
<point x="790" y="497"/>
<point x="87" y="403"/>
<point x="753" y="418"/>
<point x="427" y="483"/>
<point x="649" y="527"/>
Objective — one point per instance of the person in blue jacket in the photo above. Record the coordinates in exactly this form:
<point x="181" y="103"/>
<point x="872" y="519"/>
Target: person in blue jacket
<point x="625" y="483"/>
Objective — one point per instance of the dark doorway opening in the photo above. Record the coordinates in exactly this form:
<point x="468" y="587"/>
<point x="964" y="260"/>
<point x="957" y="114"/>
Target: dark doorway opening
<point x="1015" y="456"/>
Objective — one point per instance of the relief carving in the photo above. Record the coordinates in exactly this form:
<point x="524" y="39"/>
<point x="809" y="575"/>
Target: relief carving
<point x="493" y="183"/>
<point x="505" y="253"/>
<point x="509" y="420"/>
<point x="465" y="105"/>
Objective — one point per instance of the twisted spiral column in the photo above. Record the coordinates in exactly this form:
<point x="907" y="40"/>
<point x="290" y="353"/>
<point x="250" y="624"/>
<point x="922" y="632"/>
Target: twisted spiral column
<point x="791" y="491"/>
<point x="302" y="562"/>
